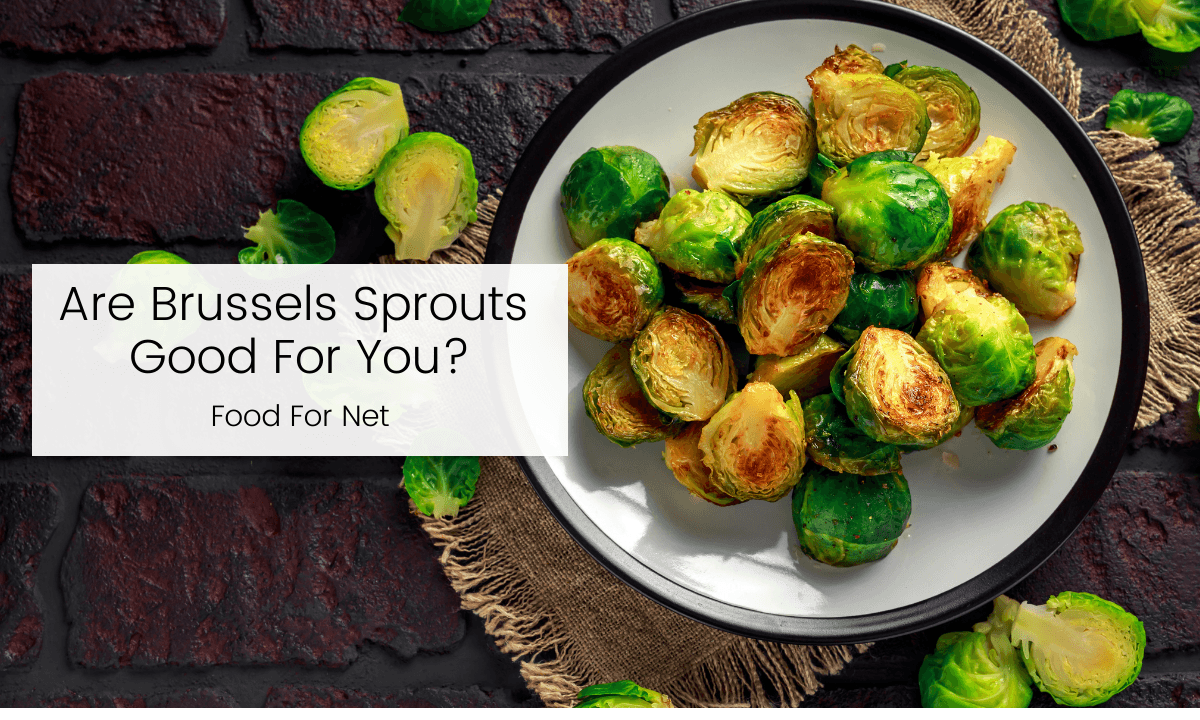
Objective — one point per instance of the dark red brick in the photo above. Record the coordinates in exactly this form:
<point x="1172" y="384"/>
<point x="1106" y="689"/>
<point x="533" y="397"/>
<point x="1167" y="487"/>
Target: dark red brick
<point x="16" y="375"/>
<point x="28" y="516"/>
<point x="332" y="697"/>
<point x="103" y="26"/>
<point x="1176" y="690"/>
<point x="1176" y="429"/>
<point x="157" y="157"/>
<point x="195" y="698"/>
<point x="493" y="116"/>
<point x="1137" y="547"/>
<point x="687" y="7"/>
<point x="889" y="696"/>
<point x="160" y="573"/>
<point x="373" y="25"/>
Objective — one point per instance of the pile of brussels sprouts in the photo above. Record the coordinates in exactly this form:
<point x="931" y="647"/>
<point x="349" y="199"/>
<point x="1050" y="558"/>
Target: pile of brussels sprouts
<point x="795" y="324"/>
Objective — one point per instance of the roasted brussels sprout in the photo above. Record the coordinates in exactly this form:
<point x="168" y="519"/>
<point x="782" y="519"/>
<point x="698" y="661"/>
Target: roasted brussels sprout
<point x="755" y="444"/>
<point x="790" y="293"/>
<point x="708" y="299"/>
<point x="820" y="170"/>
<point x="952" y="106"/>
<point x="836" y="443"/>
<point x="843" y="519"/>
<point x="426" y="188"/>
<point x="290" y="234"/>
<point x="859" y="110"/>
<point x="887" y="299"/>
<point x="616" y="405"/>
<point x="439" y="486"/>
<point x="156" y="257"/>
<point x="610" y="190"/>
<point x="983" y="344"/>
<point x="970" y="182"/>
<point x="1080" y="648"/>
<point x="1030" y="254"/>
<point x="894" y="390"/>
<point x="939" y="280"/>
<point x="806" y="373"/>
<point x="621" y="694"/>
<point x="442" y="16"/>
<point x="683" y="364"/>
<point x="758" y="146"/>
<point x="891" y="213"/>
<point x="346" y="135"/>
<point x="783" y="219"/>
<point x="695" y="234"/>
<point x="682" y="455"/>
<point x="613" y="287"/>
<point x="1032" y="419"/>
<point x="1166" y="118"/>
<point x="978" y="669"/>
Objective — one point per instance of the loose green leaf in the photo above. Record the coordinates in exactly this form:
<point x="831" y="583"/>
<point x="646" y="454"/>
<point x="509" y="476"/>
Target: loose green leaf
<point x="440" y="485"/>
<point x="156" y="257"/>
<point x="289" y="235"/>
<point x="444" y="15"/>
<point x="1099" y="19"/>
<point x="894" y="68"/>
<point x="1172" y="25"/>
<point x="1166" y="118"/>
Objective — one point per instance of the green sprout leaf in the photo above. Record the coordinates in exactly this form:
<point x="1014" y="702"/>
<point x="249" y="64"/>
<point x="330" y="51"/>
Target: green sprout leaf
<point x="290" y="235"/>
<point x="1099" y="19"/>
<point x="444" y="15"/>
<point x="156" y="257"/>
<point x="440" y="485"/>
<point x="1166" y="118"/>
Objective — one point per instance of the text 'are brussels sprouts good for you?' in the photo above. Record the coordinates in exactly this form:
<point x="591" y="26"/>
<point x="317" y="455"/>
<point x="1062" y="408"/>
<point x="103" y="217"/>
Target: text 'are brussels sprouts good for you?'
<point x="299" y="360"/>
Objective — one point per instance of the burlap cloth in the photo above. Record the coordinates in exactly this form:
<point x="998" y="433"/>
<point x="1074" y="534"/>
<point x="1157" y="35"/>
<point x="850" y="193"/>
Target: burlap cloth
<point x="570" y="623"/>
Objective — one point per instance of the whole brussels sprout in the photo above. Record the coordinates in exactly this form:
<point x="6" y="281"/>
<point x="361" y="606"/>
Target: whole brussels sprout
<point x="970" y="181"/>
<point x="1032" y="419"/>
<point x="758" y="146"/>
<point x="887" y="299"/>
<point x="939" y="280"/>
<point x="755" y="444"/>
<point x="617" y="407"/>
<point x="707" y="299"/>
<point x="952" y="106"/>
<point x="682" y="455"/>
<point x="621" y="694"/>
<point x="983" y="344"/>
<point x="979" y="668"/>
<point x="894" y="390"/>
<point x="806" y="373"/>
<point x="1030" y="253"/>
<point x="609" y="191"/>
<point x="844" y="519"/>
<point x="1166" y="118"/>
<point x="859" y="110"/>
<point x="613" y="287"/>
<point x="836" y="443"/>
<point x="790" y="293"/>
<point x="683" y="364"/>
<point x="695" y="234"/>
<point x="891" y="213"/>
<point x="784" y="218"/>
<point x="344" y="138"/>
<point x="1080" y="648"/>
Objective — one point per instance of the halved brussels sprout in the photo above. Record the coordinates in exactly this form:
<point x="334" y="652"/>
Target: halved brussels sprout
<point x="782" y="219"/>
<point x="621" y="694"/>
<point x="939" y="280"/>
<point x="859" y="110"/>
<point x="806" y="373"/>
<point x="613" y="287"/>
<point x="1032" y="419"/>
<point x="346" y="135"/>
<point x="820" y="170"/>
<point x="1166" y="118"/>
<point x="290" y="234"/>
<point x="758" y="146"/>
<point x="1080" y="648"/>
<point x="755" y="444"/>
<point x="952" y="106"/>
<point x="426" y="188"/>
<point x="843" y="519"/>
<point x="708" y="299"/>
<point x="887" y="299"/>
<point x="836" y="443"/>
<point x="615" y="403"/>
<point x="970" y="181"/>
<point x="978" y="669"/>
<point x="610" y="190"/>
<point x="966" y="414"/>
<point x="695" y="234"/>
<point x="1030" y="254"/>
<point x="891" y="213"/>
<point x="683" y="364"/>
<point x="682" y="455"/>
<point x="156" y="257"/>
<point x="983" y="344"/>
<point x="790" y="293"/>
<point x="894" y="390"/>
